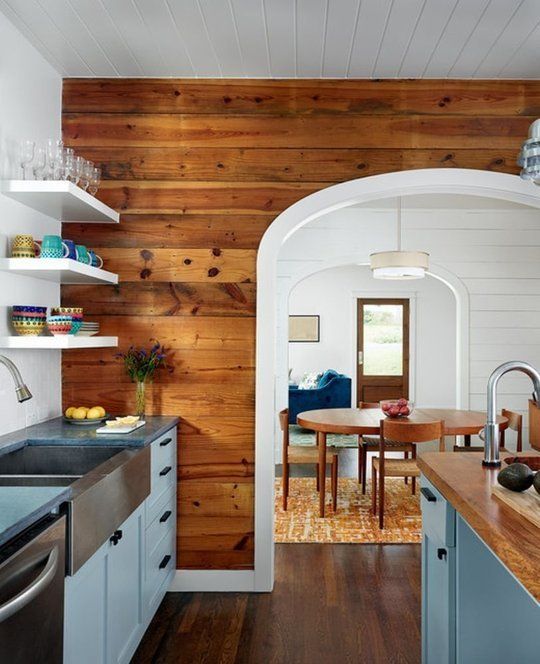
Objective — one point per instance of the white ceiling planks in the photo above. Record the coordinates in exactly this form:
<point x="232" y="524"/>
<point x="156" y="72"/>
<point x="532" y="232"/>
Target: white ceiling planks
<point x="284" y="38"/>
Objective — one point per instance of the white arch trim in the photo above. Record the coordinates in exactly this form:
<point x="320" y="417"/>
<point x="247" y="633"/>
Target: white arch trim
<point x="404" y="183"/>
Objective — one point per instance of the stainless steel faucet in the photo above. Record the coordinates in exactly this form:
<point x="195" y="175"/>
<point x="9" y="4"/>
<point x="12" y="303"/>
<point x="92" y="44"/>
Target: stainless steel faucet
<point x="22" y="392"/>
<point x="491" y="430"/>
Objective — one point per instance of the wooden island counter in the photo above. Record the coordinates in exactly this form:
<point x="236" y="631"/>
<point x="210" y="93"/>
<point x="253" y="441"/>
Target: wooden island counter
<point x="480" y="567"/>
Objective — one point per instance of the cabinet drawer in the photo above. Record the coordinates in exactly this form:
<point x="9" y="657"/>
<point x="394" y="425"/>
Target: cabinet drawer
<point x="438" y="516"/>
<point x="163" y="467"/>
<point x="164" y="518"/>
<point x="163" y="450"/>
<point x="161" y="562"/>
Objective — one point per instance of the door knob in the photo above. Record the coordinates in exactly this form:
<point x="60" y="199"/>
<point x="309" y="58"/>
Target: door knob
<point x="441" y="554"/>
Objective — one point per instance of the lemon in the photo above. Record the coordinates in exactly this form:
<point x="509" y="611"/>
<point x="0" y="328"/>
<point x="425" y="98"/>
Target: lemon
<point x="79" y="414"/>
<point x="102" y="411"/>
<point x="93" y="414"/>
<point x="83" y="408"/>
<point x="69" y="411"/>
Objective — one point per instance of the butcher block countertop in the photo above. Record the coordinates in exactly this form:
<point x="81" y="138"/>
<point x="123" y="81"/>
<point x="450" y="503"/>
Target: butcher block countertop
<point x="466" y="484"/>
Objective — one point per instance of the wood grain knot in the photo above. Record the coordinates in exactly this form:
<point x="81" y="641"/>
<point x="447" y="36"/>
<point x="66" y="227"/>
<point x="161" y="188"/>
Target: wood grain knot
<point x="216" y="251"/>
<point x="187" y="261"/>
<point x="213" y="272"/>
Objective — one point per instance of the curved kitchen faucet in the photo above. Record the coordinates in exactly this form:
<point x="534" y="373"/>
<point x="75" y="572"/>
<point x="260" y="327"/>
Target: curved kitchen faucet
<point x="491" y="430"/>
<point x="22" y="392"/>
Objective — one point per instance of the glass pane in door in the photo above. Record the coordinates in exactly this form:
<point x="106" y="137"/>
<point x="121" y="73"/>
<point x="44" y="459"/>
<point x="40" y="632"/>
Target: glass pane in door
<point x="383" y="340"/>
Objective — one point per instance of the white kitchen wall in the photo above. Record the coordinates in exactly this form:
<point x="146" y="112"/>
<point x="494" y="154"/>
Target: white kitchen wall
<point x="30" y="107"/>
<point x="492" y="247"/>
<point x="332" y="294"/>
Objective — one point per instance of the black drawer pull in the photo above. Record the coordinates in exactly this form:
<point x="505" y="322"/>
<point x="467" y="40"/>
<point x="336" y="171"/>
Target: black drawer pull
<point x="428" y="494"/>
<point x="116" y="537"/>
<point x="164" y="562"/>
<point x="441" y="554"/>
<point x="165" y="442"/>
<point x="166" y="470"/>
<point x="165" y="516"/>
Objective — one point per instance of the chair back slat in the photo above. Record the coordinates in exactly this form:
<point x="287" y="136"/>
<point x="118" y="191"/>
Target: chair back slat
<point x="515" y="422"/>
<point x="411" y="432"/>
<point x="369" y="404"/>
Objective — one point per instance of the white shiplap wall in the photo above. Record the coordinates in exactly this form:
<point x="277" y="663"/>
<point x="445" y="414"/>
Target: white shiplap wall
<point x="492" y="247"/>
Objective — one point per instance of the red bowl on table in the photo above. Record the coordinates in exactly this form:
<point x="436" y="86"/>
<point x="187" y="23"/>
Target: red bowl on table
<point x="394" y="408"/>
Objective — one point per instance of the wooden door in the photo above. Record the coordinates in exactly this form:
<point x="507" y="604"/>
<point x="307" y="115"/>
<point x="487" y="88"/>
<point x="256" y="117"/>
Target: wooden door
<point x="383" y="349"/>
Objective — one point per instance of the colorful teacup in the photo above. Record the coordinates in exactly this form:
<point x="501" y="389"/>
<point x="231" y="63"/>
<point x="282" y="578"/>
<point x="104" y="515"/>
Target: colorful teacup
<point x="24" y="246"/>
<point x="71" y="249"/>
<point x="95" y="260"/>
<point x="52" y="246"/>
<point x="82" y="255"/>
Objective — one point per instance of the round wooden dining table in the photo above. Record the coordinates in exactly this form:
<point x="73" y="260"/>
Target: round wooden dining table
<point x="367" y="422"/>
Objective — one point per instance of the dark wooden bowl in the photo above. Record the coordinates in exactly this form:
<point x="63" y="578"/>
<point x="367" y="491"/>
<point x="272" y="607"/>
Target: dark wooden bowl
<point x="532" y="461"/>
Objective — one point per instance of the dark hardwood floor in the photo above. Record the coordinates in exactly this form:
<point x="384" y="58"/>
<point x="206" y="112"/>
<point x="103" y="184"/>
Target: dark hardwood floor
<point x="332" y="603"/>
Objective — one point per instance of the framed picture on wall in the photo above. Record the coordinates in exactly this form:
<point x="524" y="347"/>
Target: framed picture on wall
<point x="304" y="329"/>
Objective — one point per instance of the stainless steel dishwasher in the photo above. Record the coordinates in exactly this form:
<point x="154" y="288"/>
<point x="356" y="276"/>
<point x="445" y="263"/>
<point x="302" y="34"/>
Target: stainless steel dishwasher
<point x="32" y="569"/>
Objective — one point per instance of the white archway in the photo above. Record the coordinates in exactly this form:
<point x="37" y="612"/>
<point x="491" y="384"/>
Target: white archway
<point x="404" y="183"/>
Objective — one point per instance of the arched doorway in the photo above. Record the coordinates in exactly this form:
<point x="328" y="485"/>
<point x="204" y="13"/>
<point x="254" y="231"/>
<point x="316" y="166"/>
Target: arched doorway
<point x="429" y="181"/>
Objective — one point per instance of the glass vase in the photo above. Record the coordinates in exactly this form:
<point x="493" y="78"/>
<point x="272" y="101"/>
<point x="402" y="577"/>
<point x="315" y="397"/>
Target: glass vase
<point x="140" y="398"/>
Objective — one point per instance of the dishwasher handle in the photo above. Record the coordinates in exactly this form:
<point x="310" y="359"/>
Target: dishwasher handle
<point x="37" y="586"/>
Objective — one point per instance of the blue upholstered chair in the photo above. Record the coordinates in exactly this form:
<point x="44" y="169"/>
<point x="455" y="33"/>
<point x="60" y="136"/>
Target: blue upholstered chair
<point x="332" y="391"/>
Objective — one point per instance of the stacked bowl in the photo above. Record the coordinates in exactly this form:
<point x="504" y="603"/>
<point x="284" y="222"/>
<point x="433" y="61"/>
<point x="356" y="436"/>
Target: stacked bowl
<point x="28" y="321"/>
<point x="65" y="320"/>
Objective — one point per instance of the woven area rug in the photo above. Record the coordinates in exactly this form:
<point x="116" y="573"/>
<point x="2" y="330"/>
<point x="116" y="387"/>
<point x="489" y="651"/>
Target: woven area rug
<point x="353" y="522"/>
<point x="300" y="436"/>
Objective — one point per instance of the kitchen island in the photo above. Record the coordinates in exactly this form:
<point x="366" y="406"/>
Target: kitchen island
<point x="480" y="567"/>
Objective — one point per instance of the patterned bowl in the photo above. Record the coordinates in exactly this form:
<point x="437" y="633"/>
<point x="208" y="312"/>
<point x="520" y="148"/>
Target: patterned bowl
<point x="28" y="327"/>
<point x="29" y="312"/>
<point x="394" y="408"/>
<point x="60" y="325"/>
<point x="74" y="312"/>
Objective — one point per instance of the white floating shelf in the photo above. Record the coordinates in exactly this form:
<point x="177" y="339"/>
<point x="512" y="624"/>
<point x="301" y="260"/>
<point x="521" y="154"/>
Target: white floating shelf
<point x="60" y="342"/>
<point x="58" y="270"/>
<point x="61" y="200"/>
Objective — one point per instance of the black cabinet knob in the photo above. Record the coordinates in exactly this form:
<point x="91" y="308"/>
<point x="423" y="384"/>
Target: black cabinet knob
<point x="165" y="442"/>
<point x="441" y="554"/>
<point x="428" y="494"/>
<point x="165" y="516"/>
<point x="164" y="562"/>
<point x="166" y="470"/>
<point x="116" y="537"/>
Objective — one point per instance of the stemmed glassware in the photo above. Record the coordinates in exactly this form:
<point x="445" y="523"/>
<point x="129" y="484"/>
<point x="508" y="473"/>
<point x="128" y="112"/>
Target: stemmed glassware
<point x="54" y="158"/>
<point x="39" y="164"/>
<point x="54" y="161"/>
<point x="95" y="177"/>
<point x="26" y="155"/>
<point x="86" y="175"/>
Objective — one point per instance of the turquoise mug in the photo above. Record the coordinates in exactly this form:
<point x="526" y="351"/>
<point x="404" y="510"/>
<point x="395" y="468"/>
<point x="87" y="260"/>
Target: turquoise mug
<point x="52" y="246"/>
<point x="95" y="260"/>
<point x="82" y="255"/>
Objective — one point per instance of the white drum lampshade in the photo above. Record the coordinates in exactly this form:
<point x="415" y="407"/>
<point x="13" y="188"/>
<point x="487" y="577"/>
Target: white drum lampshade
<point x="399" y="264"/>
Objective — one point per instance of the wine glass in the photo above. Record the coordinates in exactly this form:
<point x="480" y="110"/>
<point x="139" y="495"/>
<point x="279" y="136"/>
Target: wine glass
<point x="26" y="154"/>
<point x="78" y="165"/>
<point x="95" y="178"/>
<point x="86" y="174"/>
<point x="54" y="157"/>
<point x="39" y="163"/>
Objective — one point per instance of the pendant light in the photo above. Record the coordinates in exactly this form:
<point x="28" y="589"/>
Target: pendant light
<point x="399" y="264"/>
<point x="529" y="157"/>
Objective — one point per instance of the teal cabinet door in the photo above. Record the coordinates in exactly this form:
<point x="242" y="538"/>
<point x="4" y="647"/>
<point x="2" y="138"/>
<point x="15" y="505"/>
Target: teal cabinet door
<point x="497" y="619"/>
<point x="85" y="604"/>
<point x="124" y="589"/>
<point x="438" y="601"/>
<point x="438" y="577"/>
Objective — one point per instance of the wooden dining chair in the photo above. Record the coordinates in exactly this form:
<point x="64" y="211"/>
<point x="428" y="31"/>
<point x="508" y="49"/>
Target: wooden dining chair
<point x="307" y="454"/>
<point x="515" y="423"/>
<point x="404" y="433"/>
<point x="371" y="444"/>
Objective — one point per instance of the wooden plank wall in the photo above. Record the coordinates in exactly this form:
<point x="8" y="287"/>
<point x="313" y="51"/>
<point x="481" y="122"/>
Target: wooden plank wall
<point x="199" y="169"/>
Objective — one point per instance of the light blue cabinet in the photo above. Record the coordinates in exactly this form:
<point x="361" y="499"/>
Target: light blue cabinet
<point x="111" y="600"/>
<point x="474" y="611"/>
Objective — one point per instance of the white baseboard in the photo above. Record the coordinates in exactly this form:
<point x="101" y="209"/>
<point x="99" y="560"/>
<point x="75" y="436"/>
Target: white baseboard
<point x="213" y="580"/>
